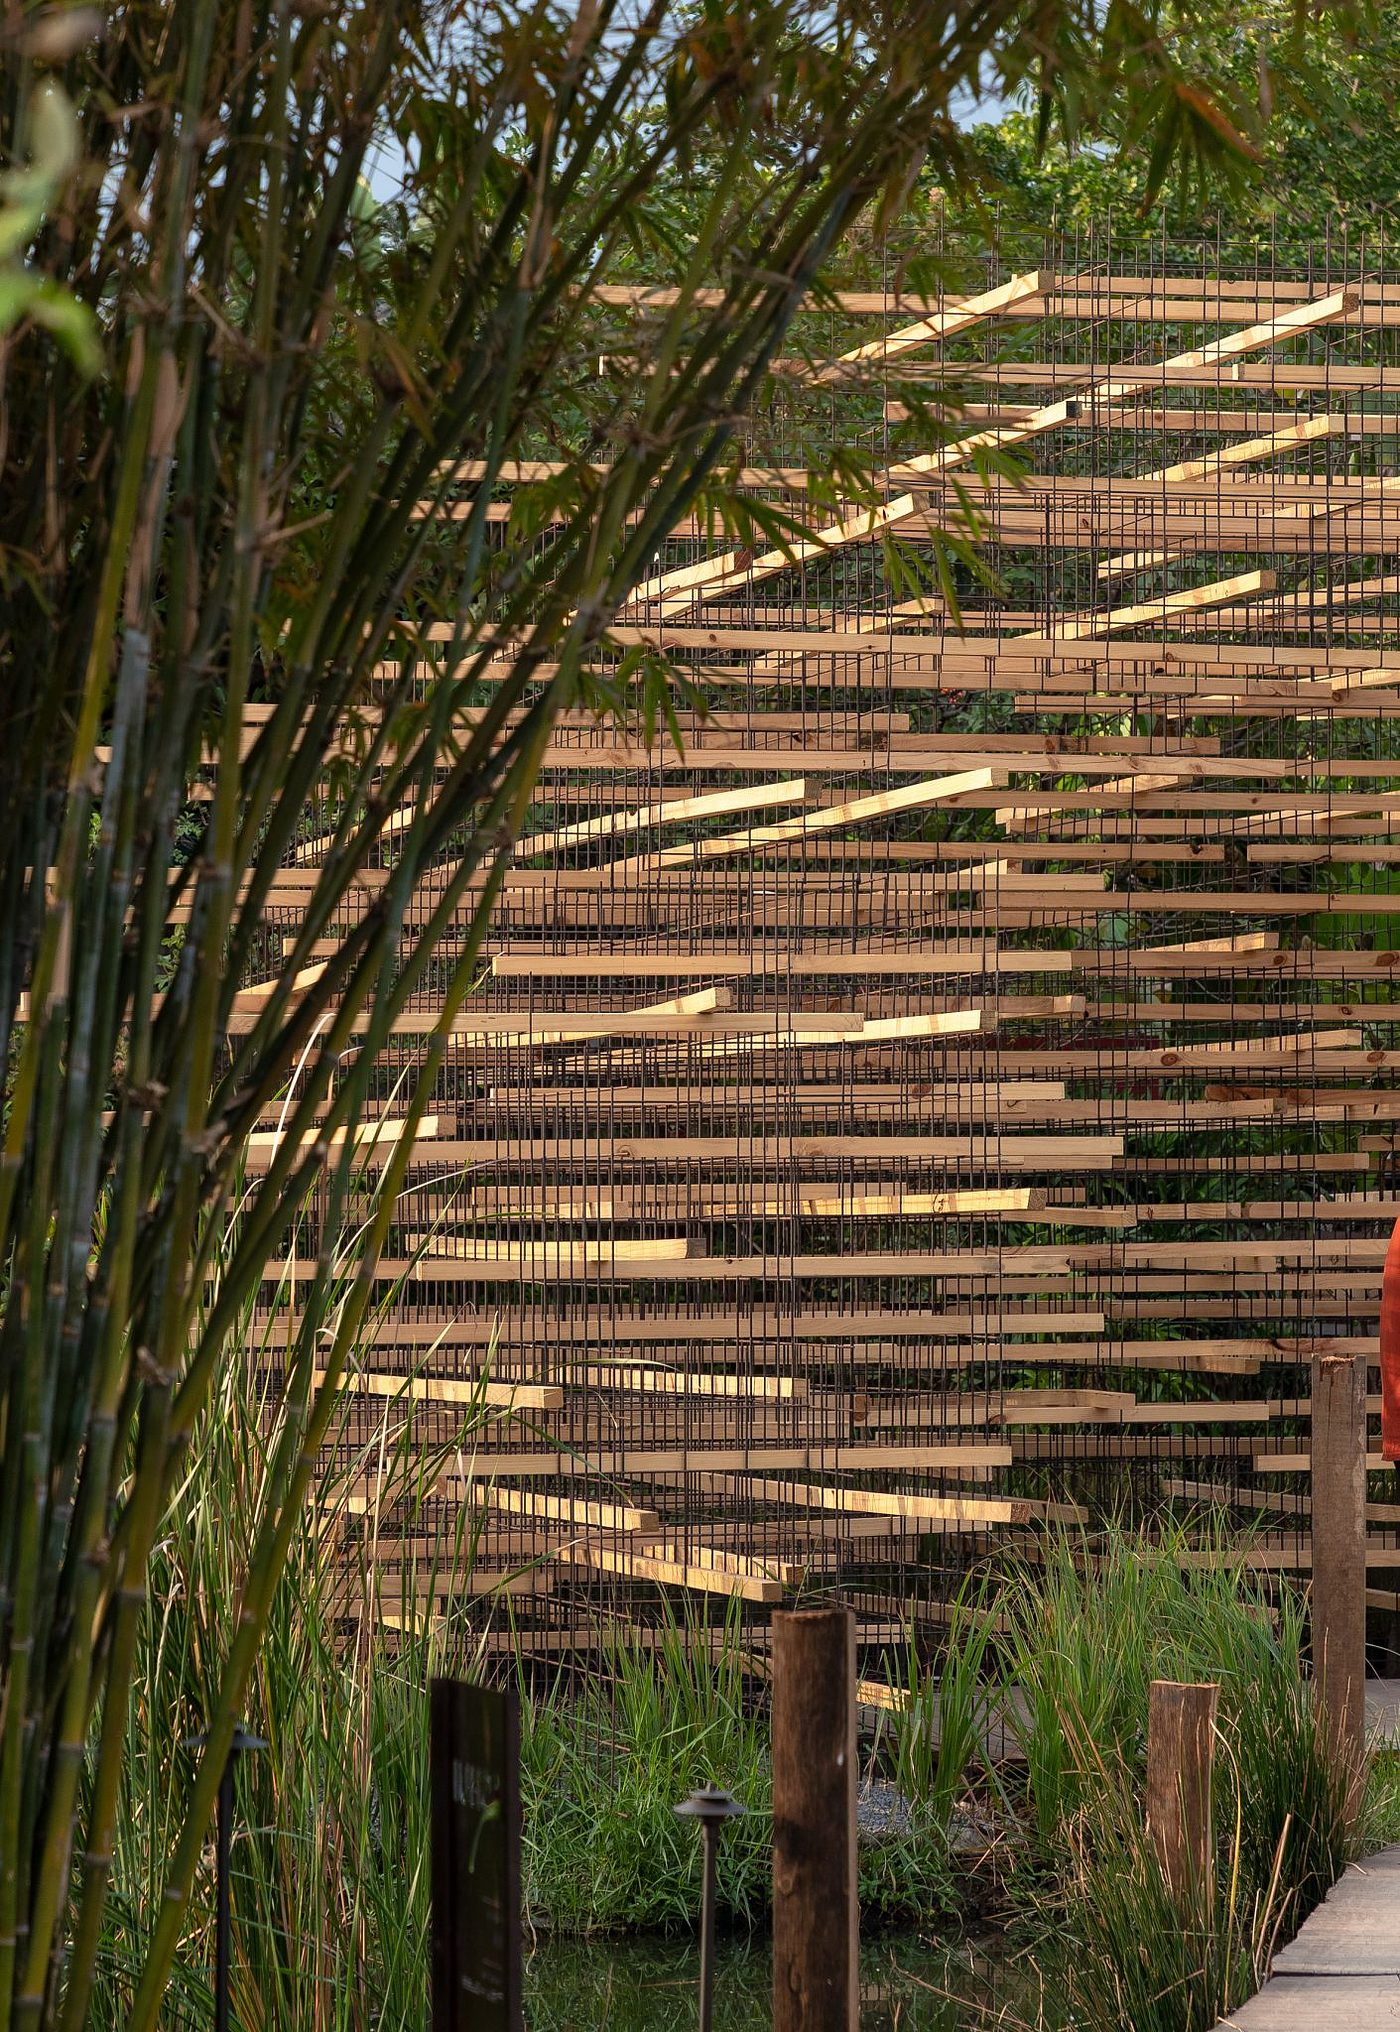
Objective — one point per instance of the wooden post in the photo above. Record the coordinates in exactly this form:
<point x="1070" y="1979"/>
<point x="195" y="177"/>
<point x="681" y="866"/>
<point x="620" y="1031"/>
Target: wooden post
<point x="815" y="1920"/>
<point x="1180" y="1747"/>
<point x="1339" y="1554"/>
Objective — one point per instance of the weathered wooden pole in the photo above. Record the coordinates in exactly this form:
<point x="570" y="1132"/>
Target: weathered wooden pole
<point x="1339" y="1555"/>
<point x="1180" y="1750"/>
<point x="816" y="1984"/>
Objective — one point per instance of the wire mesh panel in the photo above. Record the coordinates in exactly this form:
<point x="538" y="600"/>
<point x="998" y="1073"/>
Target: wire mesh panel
<point x="946" y="1083"/>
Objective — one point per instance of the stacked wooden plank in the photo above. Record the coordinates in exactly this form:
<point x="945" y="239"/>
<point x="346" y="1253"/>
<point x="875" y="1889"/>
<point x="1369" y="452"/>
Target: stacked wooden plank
<point x="957" y="1086"/>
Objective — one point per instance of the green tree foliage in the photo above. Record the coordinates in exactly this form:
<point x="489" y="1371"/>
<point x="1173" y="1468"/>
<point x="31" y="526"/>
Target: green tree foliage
<point x="1322" y="136"/>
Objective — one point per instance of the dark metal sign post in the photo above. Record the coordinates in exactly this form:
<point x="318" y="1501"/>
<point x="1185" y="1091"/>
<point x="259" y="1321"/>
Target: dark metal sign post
<point x="475" y="1781"/>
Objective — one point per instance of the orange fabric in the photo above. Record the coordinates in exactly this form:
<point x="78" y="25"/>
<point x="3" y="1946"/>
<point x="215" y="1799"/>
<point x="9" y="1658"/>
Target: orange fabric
<point x="1390" y="1349"/>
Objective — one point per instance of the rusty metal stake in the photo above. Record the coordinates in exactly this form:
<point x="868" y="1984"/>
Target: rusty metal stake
<point x="712" y="1808"/>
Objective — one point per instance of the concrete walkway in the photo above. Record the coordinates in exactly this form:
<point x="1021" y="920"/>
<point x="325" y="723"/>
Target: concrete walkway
<point x="1383" y="1713"/>
<point x="1342" y="1973"/>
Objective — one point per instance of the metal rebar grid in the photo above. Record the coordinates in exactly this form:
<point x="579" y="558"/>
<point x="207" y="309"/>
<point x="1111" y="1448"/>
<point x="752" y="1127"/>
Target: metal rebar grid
<point x="957" y="1090"/>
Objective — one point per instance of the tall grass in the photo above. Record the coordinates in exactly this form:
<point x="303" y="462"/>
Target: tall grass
<point x="330" y="1853"/>
<point x="1091" y="1623"/>
<point x="606" y="1764"/>
<point x="947" y="1713"/>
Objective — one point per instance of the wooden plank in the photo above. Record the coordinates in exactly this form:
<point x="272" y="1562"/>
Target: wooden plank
<point x="1353" y="1932"/>
<point x="513" y="962"/>
<point x="1340" y="1973"/>
<point x="715" y="804"/>
<point x="1295" y="1461"/>
<point x="566" y="1509"/>
<point x="960" y="1510"/>
<point x="788" y="1573"/>
<point x="1180" y="1752"/>
<point x="699" y="1579"/>
<point x="956" y="315"/>
<point x="263" y="1146"/>
<point x="1165" y="607"/>
<point x="1177" y="298"/>
<point x="1338" y="1453"/>
<point x="659" y="1255"/>
<point x="1227" y="954"/>
<point x="753" y="1329"/>
<point x="620" y="1375"/>
<point x="969" y="1460"/>
<point x="1012" y="1153"/>
<point x="463" y="1390"/>
<point x="588" y="1203"/>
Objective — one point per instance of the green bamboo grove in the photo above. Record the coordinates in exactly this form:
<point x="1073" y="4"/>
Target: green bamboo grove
<point x="231" y="374"/>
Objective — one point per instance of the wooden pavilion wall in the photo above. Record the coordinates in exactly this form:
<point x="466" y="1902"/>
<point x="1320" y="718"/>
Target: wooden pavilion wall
<point x="958" y="1088"/>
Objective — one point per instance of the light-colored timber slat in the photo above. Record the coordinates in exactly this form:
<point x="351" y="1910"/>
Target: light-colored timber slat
<point x="460" y="1390"/>
<point x="568" y="1509"/>
<point x="1192" y="600"/>
<point x="701" y="1578"/>
<point x="752" y="797"/>
<point x="946" y="323"/>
